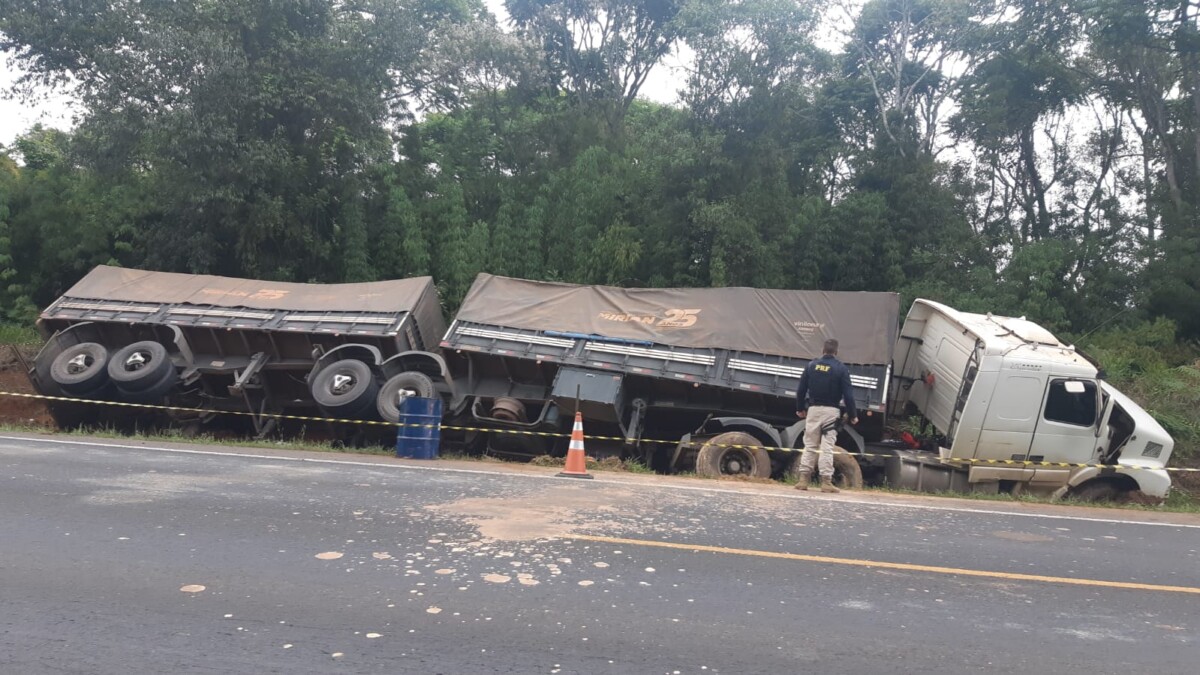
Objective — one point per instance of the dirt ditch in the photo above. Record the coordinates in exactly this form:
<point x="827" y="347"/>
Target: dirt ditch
<point x="16" y="411"/>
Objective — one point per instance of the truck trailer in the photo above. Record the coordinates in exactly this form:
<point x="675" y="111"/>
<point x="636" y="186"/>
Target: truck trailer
<point x="712" y="374"/>
<point x="210" y="345"/>
<point x="697" y="379"/>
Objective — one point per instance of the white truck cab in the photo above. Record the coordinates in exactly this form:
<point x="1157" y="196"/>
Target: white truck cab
<point x="1007" y="396"/>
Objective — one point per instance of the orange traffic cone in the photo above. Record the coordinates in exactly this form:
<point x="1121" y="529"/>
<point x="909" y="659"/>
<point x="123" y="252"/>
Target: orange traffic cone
<point x="576" y="457"/>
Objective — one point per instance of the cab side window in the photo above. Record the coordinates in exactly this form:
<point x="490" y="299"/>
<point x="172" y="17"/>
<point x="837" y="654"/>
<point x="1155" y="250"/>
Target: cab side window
<point x="1071" y="402"/>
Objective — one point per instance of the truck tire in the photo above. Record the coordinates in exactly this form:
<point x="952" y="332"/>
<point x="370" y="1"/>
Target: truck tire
<point x="140" y="366"/>
<point x="387" y="402"/>
<point x="81" y="369"/>
<point x="717" y="457"/>
<point x="346" y="388"/>
<point x="154" y="393"/>
<point x="509" y="409"/>
<point x="847" y="474"/>
<point x="1100" y="491"/>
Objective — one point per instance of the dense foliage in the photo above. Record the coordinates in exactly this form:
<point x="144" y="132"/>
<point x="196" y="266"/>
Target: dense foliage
<point x="1018" y="156"/>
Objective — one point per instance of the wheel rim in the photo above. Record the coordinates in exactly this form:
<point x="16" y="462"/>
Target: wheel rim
<point x="80" y="364"/>
<point x="508" y="409"/>
<point x="341" y="384"/>
<point x="137" y="361"/>
<point x="736" y="461"/>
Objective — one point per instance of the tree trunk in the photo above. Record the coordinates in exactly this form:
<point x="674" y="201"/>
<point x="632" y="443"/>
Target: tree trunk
<point x="1040" y="227"/>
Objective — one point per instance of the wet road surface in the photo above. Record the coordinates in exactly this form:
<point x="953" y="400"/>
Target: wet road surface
<point x="121" y="559"/>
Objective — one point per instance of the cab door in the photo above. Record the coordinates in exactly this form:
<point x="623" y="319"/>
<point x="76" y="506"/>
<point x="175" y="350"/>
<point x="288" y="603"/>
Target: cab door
<point x="1066" y="428"/>
<point x="1012" y="416"/>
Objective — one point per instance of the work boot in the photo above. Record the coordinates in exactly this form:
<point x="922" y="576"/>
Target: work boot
<point x="827" y="485"/>
<point x="802" y="481"/>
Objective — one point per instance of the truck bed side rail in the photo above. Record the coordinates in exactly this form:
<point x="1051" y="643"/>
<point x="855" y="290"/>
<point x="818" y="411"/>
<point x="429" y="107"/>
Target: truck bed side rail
<point x="780" y="375"/>
<point x="73" y="310"/>
<point x="771" y="375"/>
<point x="520" y="343"/>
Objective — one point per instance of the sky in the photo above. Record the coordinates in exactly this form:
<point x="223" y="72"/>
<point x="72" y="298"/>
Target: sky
<point x="50" y="108"/>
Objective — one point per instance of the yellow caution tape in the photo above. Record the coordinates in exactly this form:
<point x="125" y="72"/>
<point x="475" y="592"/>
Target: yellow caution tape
<point x="550" y="434"/>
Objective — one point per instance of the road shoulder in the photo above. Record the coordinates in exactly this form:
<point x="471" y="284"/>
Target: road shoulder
<point x="765" y="489"/>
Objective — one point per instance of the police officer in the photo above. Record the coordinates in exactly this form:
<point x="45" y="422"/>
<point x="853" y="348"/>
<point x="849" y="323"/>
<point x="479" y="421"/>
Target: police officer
<point x="826" y="383"/>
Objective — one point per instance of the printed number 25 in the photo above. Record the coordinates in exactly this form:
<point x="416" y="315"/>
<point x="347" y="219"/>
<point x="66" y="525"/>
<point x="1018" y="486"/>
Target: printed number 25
<point x="680" y="318"/>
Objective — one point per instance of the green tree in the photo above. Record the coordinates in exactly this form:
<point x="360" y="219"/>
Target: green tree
<point x="449" y="225"/>
<point x="899" y="51"/>
<point x="398" y="247"/>
<point x="734" y="249"/>
<point x="615" y="255"/>
<point x="353" y="247"/>
<point x="11" y="296"/>
<point x="1144" y="58"/>
<point x="599" y="51"/>
<point x="62" y="219"/>
<point x="257" y="118"/>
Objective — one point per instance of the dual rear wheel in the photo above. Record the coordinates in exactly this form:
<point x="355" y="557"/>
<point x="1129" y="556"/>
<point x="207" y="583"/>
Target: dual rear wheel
<point x="349" y="389"/>
<point x="142" y="371"/>
<point x="81" y="369"/>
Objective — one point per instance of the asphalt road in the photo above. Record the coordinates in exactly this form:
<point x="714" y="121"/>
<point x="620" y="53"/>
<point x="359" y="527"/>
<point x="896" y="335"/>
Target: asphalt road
<point x="138" y="560"/>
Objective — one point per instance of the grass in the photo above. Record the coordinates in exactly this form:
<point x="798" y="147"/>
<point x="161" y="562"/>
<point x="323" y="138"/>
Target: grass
<point x="1148" y="364"/>
<point x="634" y="466"/>
<point x="1179" y="501"/>
<point x="11" y="334"/>
<point x="593" y="464"/>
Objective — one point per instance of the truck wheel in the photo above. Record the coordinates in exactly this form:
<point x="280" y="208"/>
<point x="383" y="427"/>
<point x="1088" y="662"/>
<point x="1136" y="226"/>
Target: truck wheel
<point x="140" y="366"/>
<point x="346" y="388"/>
<point x="153" y="393"/>
<point x="1100" y="491"/>
<point x="717" y="458"/>
<point x="509" y="409"/>
<point x="81" y="369"/>
<point x="388" y="401"/>
<point x="847" y="474"/>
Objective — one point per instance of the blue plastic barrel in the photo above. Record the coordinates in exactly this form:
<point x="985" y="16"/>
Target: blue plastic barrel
<point x="422" y="433"/>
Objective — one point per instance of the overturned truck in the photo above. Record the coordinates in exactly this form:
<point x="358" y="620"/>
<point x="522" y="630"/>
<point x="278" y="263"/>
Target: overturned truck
<point x="685" y="379"/>
<point x="704" y="380"/>
<point x="711" y="373"/>
<point x="210" y="345"/>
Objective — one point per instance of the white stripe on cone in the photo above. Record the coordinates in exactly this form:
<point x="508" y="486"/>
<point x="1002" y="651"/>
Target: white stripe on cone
<point x="577" y="434"/>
